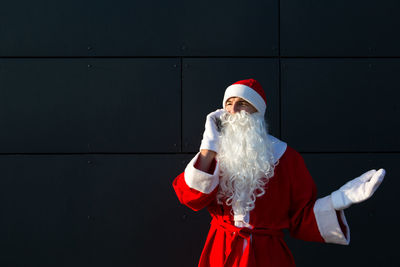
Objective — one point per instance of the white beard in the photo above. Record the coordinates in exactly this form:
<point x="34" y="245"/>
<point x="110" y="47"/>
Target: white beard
<point x="246" y="161"/>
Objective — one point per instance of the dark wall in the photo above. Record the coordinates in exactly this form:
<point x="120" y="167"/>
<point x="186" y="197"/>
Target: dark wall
<point x="102" y="104"/>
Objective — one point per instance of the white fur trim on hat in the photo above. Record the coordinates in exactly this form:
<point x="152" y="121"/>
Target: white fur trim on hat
<point x="248" y="94"/>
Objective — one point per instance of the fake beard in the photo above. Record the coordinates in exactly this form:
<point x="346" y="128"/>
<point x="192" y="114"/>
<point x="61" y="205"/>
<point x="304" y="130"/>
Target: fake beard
<point x="246" y="160"/>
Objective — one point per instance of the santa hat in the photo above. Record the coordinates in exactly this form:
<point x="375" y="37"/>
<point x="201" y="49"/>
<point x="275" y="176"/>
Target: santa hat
<point x="251" y="91"/>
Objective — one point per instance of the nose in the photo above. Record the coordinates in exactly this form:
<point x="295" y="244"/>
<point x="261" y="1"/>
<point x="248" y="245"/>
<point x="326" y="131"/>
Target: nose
<point x="235" y="108"/>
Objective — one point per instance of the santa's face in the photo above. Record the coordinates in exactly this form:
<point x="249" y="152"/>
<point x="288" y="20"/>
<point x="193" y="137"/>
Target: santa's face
<point x="237" y="104"/>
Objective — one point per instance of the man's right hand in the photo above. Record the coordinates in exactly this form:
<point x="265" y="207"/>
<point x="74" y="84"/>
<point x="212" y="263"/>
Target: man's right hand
<point x="211" y="133"/>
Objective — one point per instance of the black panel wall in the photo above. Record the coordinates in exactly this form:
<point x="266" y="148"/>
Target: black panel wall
<point x="102" y="104"/>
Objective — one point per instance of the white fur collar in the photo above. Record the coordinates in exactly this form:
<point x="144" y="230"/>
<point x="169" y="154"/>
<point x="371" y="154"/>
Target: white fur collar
<point x="278" y="147"/>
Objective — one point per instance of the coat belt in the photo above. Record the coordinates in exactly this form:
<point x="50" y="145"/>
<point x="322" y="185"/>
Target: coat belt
<point x="241" y="244"/>
<point x="245" y="232"/>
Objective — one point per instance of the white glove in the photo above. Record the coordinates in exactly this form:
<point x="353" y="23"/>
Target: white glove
<point x="211" y="133"/>
<point x="358" y="189"/>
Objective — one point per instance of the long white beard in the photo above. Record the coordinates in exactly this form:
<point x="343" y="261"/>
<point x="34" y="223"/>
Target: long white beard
<point x="246" y="160"/>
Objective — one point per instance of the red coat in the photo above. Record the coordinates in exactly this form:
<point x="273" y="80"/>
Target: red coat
<point x="288" y="203"/>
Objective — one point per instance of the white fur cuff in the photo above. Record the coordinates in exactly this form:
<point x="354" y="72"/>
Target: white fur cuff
<point x="328" y="224"/>
<point x="199" y="180"/>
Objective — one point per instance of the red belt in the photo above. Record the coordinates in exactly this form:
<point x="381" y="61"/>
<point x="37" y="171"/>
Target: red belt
<point x="239" y="247"/>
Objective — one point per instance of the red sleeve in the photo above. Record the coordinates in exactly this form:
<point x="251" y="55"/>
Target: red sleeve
<point x="303" y="224"/>
<point x="191" y="197"/>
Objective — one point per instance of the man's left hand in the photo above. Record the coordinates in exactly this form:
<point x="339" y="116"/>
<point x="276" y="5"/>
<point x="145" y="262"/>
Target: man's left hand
<point x="358" y="189"/>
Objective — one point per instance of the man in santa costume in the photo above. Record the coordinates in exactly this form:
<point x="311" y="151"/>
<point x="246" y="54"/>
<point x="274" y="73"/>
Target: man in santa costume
<point x="254" y="185"/>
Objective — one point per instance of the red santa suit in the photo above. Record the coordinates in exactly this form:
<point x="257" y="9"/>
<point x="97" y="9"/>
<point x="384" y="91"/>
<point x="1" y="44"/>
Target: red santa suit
<point x="289" y="202"/>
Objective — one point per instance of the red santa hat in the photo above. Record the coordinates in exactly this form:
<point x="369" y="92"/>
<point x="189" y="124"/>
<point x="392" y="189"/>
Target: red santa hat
<point x="251" y="91"/>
